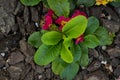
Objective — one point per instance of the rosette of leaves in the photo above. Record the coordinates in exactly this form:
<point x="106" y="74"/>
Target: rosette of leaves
<point x="59" y="48"/>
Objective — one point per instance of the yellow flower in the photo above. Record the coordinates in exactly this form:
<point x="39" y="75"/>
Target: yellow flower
<point x="103" y="2"/>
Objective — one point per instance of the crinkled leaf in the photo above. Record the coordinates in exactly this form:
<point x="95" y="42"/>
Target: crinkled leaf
<point x="91" y="41"/>
<point x="58" y="66"/>
<point x="76" y="51"/>
<point x="60" y="7"/>
<point x="70" y="71"/>
<point x="46" y="54"/>
<point x="84" y="59"/>
<point x="35" y="39"/>
<point x="72" y="4"/>
<point x="93" y="24"/>
<point x="30" y="2"/>
<point x="115" y="4"/>
<point x="51" y="38"/>
<point x="103" y="36"/>
<point x="87" y="3"/>
<point x="75" y="27"/>
<point x="66" y="54"/>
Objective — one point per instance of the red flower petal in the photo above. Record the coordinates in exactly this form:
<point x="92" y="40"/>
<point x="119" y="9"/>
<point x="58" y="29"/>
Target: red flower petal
<point x="50" y="13"/>
<point x="79" y="39"/>
<point x="48" y="22"/>
<point x="78" y="12"/>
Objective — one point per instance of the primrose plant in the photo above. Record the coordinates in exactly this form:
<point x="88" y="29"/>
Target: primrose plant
<point x="64" y="39"/>
<point x="64" y="42"/>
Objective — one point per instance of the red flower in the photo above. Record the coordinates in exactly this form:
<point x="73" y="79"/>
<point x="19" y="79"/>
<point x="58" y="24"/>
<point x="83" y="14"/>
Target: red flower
<point x="50" y="13"/>
<point x="78" y="12"/>
<point x="79" y="39"/>
<point x="62" y="21"/>
<point x="48" y="22"/>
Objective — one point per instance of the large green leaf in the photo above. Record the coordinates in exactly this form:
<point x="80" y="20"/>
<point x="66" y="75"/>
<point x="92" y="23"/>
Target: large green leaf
<point x="70" y="71"/>
<point x="93" y="24"/>
<point x="91" y="41"/>
<point x="76" y="51"/>
<point x="87" y="3"/>
<point x="60" y="7"/>
<point x="66" y="54"/>
<point x="103" y="36"/>
<point x="46" y="54"/>
<point x="35" y="39"/>
<point x="30" y="2"/>
<point x="84" y="59"/>
<point x="75" y="27"/>
<point x="58" y="66"/>
<point x="51" y="38"/>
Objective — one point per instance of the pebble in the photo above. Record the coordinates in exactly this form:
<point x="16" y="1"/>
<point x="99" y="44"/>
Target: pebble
<point x="114" y="52"/>
<point x="103" y="62"/>
<point x="2" y="54"/>
<point x="15" y="57"/>
<point x="97" y="75"/>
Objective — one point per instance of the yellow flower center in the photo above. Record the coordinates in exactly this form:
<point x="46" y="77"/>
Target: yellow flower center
<point x="63" y="23"/>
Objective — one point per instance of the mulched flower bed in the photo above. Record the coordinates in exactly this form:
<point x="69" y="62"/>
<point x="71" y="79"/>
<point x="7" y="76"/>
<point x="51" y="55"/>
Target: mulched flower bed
<point x="17" y="22"/>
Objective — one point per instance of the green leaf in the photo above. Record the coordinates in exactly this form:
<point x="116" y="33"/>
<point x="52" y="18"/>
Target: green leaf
<point x="30" y="2"/>
<point x="60" y="7"/>
<point x="87" y="3"/>
<point x="58" y="66"/>
<point x="51" y="38"/>
<point x="84" y="59"/>
<point x="75" y="27"/>
<point x="91" y="41"/>
<point x="72" y="4"/>
<point x="115" y="4"/>
<point x="76" y="51"/>
<point x="103" y="36"/>
<point x="46" y="54"/>
<point x="67" y="42"/>
<point x="93" y="24"/>
<point x="35" y="39"/>
<point x="70" y="71"/>
<point x="66" y="55"/>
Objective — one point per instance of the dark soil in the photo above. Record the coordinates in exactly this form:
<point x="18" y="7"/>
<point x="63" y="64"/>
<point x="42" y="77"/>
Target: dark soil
<point x="17" y="22"/>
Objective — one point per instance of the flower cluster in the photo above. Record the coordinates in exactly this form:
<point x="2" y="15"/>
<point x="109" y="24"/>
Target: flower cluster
<point x="103" y="2"/>
<point x="61" y="21"/>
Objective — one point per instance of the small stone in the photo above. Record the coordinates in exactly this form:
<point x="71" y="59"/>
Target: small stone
<point x="117" y="71"/>
<point x="3" y="78"/>
<point x="104" y="47"/>
<point x="48" y="73"/>
<point x="39" y="76"/>
<point x="29" y="76"/>
<point x="39" y="69"/>
<point x="94" y="66"/>
<point x="103" y="62"/>
<point x="114" y="52"/>
<point x="36" y="24"/>
<point x="15" y="72"/>
<point x="2" y="54"/>
<point x="2" y="62"/>
<point x="97" y="75"/>
<point x="115" y="62"/>
<point x="94" y="53"/>
<point x="34" y="14"/>
<point x="112" y="26"/>
<point x="15" y="57"/>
